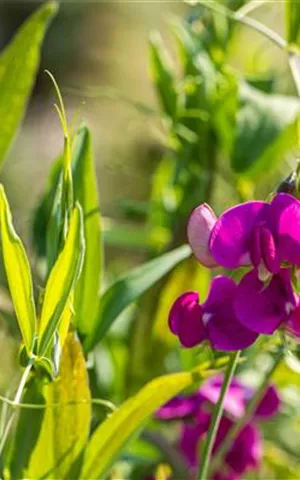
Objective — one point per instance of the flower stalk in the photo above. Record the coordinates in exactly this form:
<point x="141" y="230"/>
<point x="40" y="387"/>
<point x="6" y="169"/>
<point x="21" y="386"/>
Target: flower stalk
<point x="16" y="401"/>
<point x="216" y="418"/>
<point x="251" y="408"/>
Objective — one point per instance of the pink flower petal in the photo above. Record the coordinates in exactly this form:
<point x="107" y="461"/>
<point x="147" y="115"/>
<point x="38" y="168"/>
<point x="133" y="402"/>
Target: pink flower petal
<point x="230" y="238"/>
<point x="200" y="225"/>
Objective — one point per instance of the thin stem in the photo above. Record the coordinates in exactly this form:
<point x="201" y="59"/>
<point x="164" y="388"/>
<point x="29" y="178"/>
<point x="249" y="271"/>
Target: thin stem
<point x="251" y="22"/>
<point x="216" y="418"/>
<point x="42" y="406"/>
<point x="15" y="402"/>
<point x="251" y="408"/>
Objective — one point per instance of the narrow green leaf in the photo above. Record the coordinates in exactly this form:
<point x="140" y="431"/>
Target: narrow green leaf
<point x="109" y="438"/>
<point x="85" y="188"/>
<point x="261" y="120"/>
<point x="163" y="75"/>
<point x="18" y="66"/>
<point x="18" y="274"/>
<point x="62" y="279"/>
<point x="66" y="426"/>
<point x="28" y="429"/>
<point x="131" y="286"/>
<point x="292" y="20"/>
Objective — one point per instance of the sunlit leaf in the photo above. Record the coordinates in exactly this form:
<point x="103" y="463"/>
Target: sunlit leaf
<point x="261" y="121"/>
<point x="292" y="20"/>
<point x="85" y="188"/>
<point x="111" y="436"/>
<point x="66" y="426"/>
<point x="18" y="274"/>
<point x="131" y="286"/>
<point x="62" y="280"/>
<point x="28" y="429"/>
<point x="18" y="66"/>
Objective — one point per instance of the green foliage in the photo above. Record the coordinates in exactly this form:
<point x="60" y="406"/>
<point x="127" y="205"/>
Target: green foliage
<point x="113" y="433"/>
<point x="292" y="20"/>
<point x="223" y="133"/>
<point x="28" y="430"/>
<point x="66" y="424"/>
<point x="62" y="280"/>
<point x="85" y="191"/>
<point x="18" y="67"/>
<point x="129" y="287"/>
<point x="263" y="121"/>
<point x="18" y="274"/>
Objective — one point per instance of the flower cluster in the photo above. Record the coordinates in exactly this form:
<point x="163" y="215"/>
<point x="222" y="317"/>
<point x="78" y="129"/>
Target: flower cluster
<point x="195" y="412"/>
<point x="265" y="238"/>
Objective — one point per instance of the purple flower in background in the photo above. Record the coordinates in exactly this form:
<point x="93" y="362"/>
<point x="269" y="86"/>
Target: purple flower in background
<point x="246" y="451"/>
<point x="258" y="233"/>
<point x="262" y="308"/>
<point x="214" y="320"/>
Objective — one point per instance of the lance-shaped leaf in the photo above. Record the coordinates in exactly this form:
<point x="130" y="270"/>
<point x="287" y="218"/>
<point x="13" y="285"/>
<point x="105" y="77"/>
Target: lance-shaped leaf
<point x="85" y="189"/>
<point x="18" y="66"/>
<point x="67" y="419"/>
<point x="62" y="280"/>
<point x="263" y="121"/>
<point x="292" y="20"/>
<point x="18" y="274"/>
<point x="131" y="286"/>
<point x="163" y="75"/>
<point x="110" y="437"/>
<point x="28" y="429"/>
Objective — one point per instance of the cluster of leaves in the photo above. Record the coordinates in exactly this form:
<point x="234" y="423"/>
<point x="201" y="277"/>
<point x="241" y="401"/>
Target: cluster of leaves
<point x="213" y="119"/>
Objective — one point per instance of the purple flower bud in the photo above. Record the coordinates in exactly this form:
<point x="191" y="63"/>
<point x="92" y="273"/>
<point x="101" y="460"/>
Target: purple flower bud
<point x="200" y="225"/>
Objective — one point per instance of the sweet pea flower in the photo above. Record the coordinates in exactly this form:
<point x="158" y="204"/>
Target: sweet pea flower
<point x="264" y="308"/>
<point x="246" y="451"/>
<point x="214" y="320"/>
<point x="263" y="234"/>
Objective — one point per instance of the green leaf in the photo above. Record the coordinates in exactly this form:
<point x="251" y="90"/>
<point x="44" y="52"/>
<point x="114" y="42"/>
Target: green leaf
<point x="28" y="429"/>
<point x="85" y="188"/>
<point x="131" y="286"/>
<point x="62" y="280"/>
<point x="18" y="274"/>
<point x="66" y="425"/>
<point x="261" y="120"/>
<point x="163" y="75"/>
<point x="110" y="437"/>
<point x="18" y="67"/>
<point x="292" y="20"/>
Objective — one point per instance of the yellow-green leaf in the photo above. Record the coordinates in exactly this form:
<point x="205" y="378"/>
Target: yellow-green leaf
<point x="62" y="280"/>
<point x="65" y="427"/>
<point x="18" y="66"/>
<point x="109" y="438"/>
<point x="85" y="189"/>
<point x="18" y="274"/>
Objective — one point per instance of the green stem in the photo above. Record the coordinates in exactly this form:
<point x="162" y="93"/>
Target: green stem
<point x="15" y="403"/>
<point x="252" y="406"/>
<point x="216" y="418"/>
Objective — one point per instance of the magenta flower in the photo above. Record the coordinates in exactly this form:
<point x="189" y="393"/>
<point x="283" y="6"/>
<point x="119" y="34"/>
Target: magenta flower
<point x="263" y="309"/>
<point x="246" y="451"/>
<point x="214" y="320"/>
<point x="258" y="233"/>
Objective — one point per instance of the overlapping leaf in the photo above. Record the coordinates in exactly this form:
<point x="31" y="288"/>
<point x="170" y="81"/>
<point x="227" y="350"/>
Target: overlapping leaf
<point x="18" y="274"/>
<point x="62" y="280"/>
<point x="113" y="433"/>
<point x="67" y="419"/>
